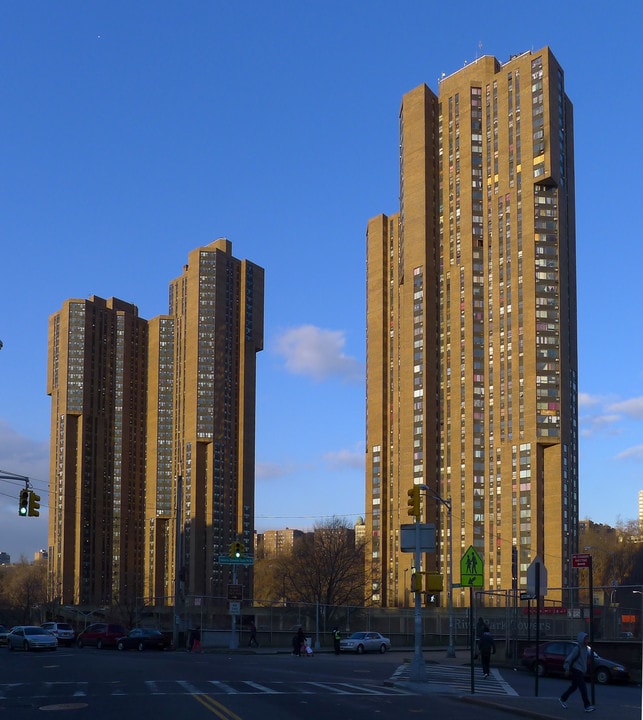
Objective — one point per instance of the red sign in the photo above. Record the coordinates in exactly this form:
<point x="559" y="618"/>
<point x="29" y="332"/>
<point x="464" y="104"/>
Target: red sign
<point x="547" y="610"/>
<point x="581" y="560"/>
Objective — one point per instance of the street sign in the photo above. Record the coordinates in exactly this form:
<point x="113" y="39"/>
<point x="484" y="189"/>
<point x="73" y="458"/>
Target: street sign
<point x="235" y="608"/>
<point x="531" y="578"/>
<point x="427" y="537"/>
<point x="471" y="568"/>
<point x="581" y="560"/>
<point x="235" y="592"/>
<point x="227" y="560"/>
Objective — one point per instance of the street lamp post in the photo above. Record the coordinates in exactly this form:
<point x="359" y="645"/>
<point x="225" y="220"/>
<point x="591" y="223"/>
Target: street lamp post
<point x="448" y="505"/>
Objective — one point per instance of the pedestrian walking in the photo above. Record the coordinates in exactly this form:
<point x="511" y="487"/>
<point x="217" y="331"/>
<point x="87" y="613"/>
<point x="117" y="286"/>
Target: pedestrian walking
<point x="253" y="636"/>
<point x="196" y="640"/>
<point x="487" y="648"/>
<point x="480" y="626"/>
<point x="575" y="665"/>
<point x="299" y="642"/>
<point x="301" y="639"/>
<point x="336" y="639"/>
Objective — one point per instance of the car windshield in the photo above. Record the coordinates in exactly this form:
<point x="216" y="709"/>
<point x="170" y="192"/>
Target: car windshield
<point x="64" y="626"/>
<point x="358" y="636"/>
<point x="35" y="631"/>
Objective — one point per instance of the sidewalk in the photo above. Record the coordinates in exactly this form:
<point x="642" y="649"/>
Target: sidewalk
<point x="452" y="676"/>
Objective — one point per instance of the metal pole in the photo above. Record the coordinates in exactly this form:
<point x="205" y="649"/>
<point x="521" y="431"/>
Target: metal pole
<point x="591" y="626"/>
<point x="178" y="558"/>
<point x="234" y="640"/>
<point x="448" y="505"/>
<point x="418" y="668"/>
<point x="451" y="648"/>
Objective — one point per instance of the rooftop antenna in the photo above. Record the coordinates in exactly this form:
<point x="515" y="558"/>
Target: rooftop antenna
<point x="479" y="49"/>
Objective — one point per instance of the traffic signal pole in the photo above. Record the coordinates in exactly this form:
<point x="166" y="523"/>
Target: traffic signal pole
<point x="234" y="640"/>
<point x="417" y="668"/>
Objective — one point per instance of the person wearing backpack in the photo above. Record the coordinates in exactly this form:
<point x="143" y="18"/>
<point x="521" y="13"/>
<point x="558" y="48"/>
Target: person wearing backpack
<point x="575" y="665"/>
<point x="487" y="647"/>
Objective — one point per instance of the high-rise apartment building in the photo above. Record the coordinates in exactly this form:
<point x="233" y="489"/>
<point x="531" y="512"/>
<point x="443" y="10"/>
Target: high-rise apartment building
<point x="471" y="331"/>
<point x="97" y="379"/>
<point x="154" y="420"/>
<point x="202" y="414"/>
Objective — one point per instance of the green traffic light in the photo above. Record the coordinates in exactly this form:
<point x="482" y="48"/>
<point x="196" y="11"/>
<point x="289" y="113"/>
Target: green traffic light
<point x="23" y="508"/>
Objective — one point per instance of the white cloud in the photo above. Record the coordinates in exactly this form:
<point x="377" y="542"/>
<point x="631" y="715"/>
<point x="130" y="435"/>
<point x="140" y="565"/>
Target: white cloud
<point x="632" y="408"/>
<point x="587" y="400"/>
<point x="593" y="424"/>
<point x="340" y="459"/>
<point x="272" y="470"/>
<point x="633" y="453"/>
<point x="318" y="353"/>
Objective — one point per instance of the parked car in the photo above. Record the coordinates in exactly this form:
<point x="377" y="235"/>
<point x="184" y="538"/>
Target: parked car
<point x="63" y="631"/>
<point x="31" y="637"/>
<point x="3" y="634"/>
<point x="101" y="635"/>
<point x="360" y="642"/>
<point x="143" y="639"/>
<point x="551" y="656"/>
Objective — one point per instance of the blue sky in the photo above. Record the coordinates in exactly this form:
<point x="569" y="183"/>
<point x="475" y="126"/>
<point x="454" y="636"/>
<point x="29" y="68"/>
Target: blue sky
<point x="133" y="132"/>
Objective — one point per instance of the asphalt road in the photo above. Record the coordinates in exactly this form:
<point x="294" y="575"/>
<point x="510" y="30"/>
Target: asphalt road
<point x="239" y="686"/>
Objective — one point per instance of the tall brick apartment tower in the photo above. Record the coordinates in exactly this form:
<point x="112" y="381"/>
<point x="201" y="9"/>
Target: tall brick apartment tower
<point x="201" y="422"/>
<point x="96" y="377"/>
<point x="151" y="418"/>
<point x="471" y="331"/>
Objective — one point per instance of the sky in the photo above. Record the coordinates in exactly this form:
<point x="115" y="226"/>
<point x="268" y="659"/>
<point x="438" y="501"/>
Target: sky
<point x="134" y="132"/>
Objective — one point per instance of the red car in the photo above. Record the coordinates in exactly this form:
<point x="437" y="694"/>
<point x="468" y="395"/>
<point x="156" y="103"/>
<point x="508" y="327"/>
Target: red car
<point x="101" y="635"/>
<point x="551" y="656"/>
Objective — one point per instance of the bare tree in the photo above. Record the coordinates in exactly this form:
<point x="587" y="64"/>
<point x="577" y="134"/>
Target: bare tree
<point x="24" y="589"/>
<point x="613" y="552"/>
<point x="326" y="567"/>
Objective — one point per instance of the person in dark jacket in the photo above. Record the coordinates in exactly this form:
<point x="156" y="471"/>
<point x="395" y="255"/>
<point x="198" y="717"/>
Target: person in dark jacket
<point x="576" y="665"/>
<point x="336" y="640"/>
<point x="487" y="647"/>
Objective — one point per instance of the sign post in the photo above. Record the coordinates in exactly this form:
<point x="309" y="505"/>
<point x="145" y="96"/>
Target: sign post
<point x="584" y="560"/>
<point x="471" y="574"/>
<point x="537" y="586"/>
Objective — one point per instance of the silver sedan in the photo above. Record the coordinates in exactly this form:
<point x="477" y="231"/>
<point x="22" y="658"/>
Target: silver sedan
<point x="360" y="642"/>
<point x="31" y="637"/>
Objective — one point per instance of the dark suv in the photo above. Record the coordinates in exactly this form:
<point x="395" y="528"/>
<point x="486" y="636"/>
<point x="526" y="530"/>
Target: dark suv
<point x="101" y="635"/>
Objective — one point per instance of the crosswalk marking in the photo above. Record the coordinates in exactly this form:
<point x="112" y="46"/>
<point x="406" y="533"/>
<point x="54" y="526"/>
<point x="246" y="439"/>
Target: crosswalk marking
<point x="227" y="689"/>
<point x="59" y="690"/>
<point x="190" y="688"/>
<point x="262" y="688"/>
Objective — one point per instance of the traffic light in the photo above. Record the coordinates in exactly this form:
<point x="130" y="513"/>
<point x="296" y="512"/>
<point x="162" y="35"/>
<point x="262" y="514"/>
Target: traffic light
<point x="236" y="549"/>
<point x="416" y="582"/>
<point x="414" y="501"/>
<point x="34" y="504"/>
<point x="23" y="508"/>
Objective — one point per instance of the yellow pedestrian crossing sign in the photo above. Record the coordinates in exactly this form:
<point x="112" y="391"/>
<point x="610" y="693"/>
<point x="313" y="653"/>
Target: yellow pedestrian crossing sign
<point x="471" y="569"/>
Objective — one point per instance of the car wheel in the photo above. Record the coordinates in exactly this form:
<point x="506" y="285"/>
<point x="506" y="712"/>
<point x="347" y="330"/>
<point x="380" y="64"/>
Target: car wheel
<point x="121" y="646"/>
<point x="99" y="644"/>
<point x="382" y="648"/>
<point x="360" y="649"/>
<point x="25" y="645"/>
<point x="540" y="669"/>
<point x="140" y="646"/>
<point x="79" y="642"/>
<point x="603" y="676"/>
